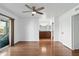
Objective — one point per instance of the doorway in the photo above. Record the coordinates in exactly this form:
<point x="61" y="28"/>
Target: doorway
<point x="46" y="31"/>
<point x="6" y="31"/>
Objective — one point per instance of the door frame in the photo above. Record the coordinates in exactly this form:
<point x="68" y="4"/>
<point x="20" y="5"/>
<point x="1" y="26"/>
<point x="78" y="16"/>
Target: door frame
<point x="11" y="29"/>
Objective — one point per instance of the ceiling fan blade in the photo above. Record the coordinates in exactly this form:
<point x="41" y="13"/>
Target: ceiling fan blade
<point x="41" y="8"/>
<point x="26" y="11"/>
<point x="39" y="12"/>
<point x="28" y="6"/>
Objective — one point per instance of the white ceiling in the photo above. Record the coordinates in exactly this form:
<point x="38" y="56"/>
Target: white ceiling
<point x="51" y="9"/>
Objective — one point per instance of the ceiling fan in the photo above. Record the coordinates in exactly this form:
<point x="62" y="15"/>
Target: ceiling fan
<point x="34" y="10"/>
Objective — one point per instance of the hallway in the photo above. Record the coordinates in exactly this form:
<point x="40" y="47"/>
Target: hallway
<point x="39" y="48"/>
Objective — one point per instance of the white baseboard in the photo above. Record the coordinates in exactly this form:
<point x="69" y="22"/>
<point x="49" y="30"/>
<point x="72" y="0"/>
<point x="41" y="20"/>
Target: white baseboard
<point x="30" y="40"/>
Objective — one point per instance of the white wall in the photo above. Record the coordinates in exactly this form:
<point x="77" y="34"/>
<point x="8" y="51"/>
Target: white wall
<point x="56" y="29"/>
<point x="29" y="29"/>
<point x="65" y="26"/>
<point x="17" y="33"/>
<point x="65" y="30"/>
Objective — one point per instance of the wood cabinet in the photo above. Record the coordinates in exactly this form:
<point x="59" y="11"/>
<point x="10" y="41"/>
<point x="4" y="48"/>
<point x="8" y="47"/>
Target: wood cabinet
<point x="45" y="34"/>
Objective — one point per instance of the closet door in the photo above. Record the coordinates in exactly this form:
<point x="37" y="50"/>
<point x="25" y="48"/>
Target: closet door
<point x="75" y="31"/>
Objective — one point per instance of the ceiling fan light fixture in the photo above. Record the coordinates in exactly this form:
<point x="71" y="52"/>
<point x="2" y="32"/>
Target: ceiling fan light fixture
<point x="34" y="12"/>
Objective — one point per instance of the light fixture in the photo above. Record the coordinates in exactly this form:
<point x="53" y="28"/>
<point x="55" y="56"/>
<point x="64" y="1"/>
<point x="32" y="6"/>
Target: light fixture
<point x="33" y="12"/>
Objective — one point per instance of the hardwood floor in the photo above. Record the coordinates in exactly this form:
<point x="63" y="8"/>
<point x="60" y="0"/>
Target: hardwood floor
<point x="41" y="48"/>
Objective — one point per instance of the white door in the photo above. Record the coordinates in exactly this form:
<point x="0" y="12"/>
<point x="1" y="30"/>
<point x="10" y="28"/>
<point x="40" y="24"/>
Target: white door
<point x="75" y="31"/>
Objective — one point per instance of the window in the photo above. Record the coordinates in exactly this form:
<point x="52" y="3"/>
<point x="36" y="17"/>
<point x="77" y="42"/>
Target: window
<point x="3" y="27"/>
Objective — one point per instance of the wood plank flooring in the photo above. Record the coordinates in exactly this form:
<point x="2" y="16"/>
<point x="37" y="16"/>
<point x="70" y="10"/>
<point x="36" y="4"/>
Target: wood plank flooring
<point x="39" y="48"/>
